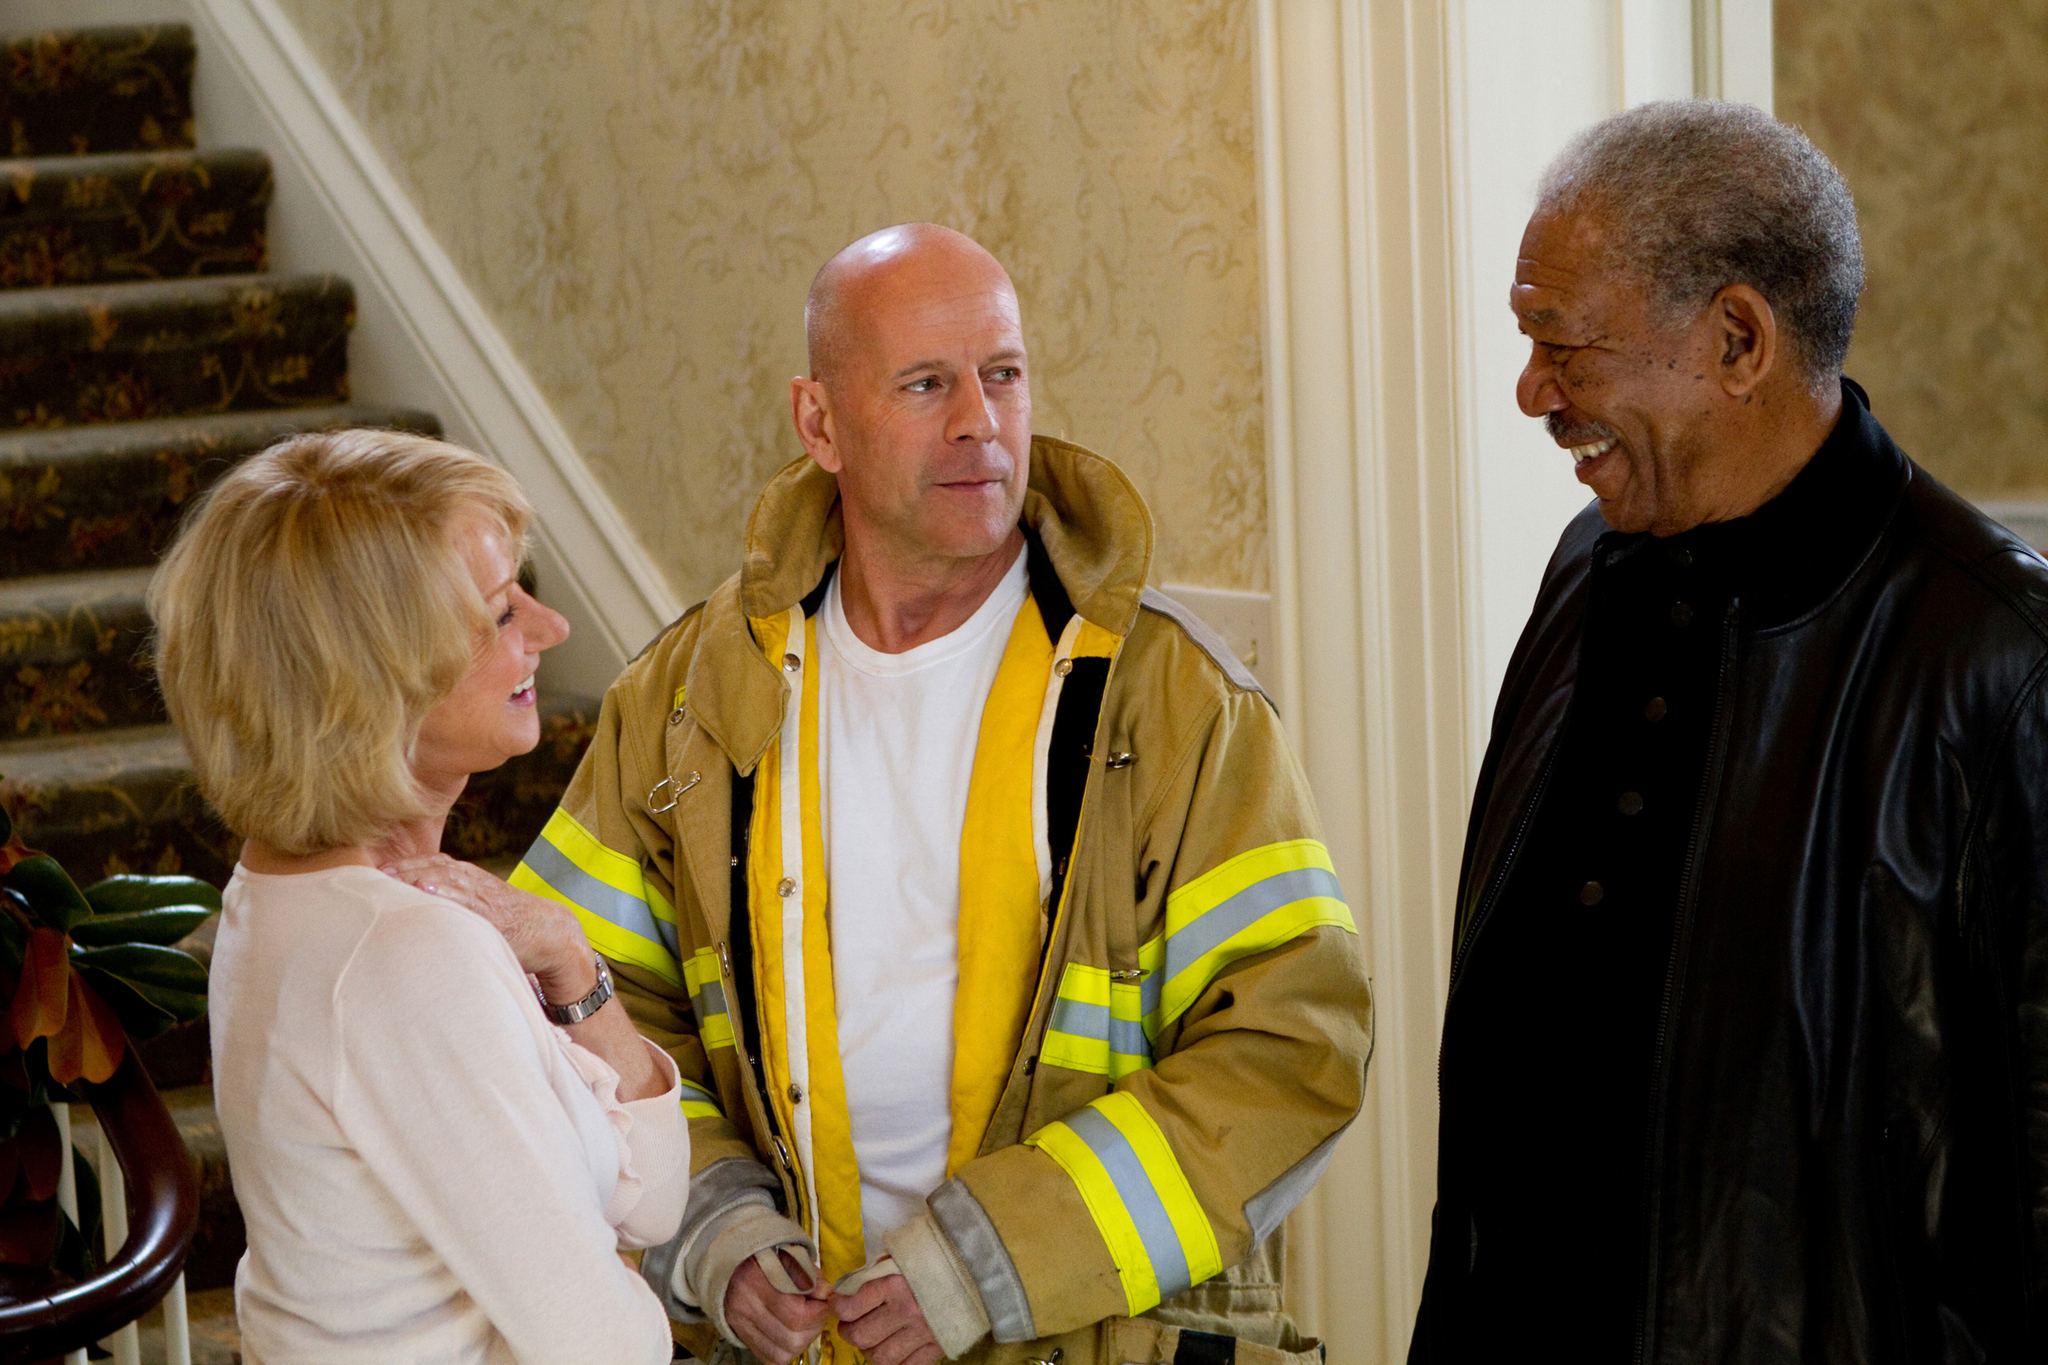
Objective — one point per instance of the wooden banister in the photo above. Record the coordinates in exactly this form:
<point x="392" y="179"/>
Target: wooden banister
<point x="164" y="1204"/>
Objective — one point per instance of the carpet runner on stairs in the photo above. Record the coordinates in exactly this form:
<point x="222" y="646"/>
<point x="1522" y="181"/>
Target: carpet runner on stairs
<point x="145" y="348"/>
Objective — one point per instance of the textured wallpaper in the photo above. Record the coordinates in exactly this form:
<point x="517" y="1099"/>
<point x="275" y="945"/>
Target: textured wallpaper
<point x="1937" y="112"/>
<point x="640" y="191"/>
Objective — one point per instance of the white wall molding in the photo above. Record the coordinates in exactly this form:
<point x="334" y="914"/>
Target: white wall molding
<point x="422" y="338"/>
<point x="1364" y="507"/>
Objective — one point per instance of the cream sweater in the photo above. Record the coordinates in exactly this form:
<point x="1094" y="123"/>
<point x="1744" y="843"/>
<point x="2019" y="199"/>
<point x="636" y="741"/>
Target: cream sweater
<point x="429" y="1170"/>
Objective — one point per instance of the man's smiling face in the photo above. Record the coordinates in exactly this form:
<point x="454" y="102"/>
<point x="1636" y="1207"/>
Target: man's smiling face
<point x="1628" y="397"/>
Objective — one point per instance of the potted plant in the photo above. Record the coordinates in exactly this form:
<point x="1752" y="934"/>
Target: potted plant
<point x="81" y="973"/>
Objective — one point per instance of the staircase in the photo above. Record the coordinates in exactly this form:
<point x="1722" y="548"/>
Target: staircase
<point x="145" y="348"/>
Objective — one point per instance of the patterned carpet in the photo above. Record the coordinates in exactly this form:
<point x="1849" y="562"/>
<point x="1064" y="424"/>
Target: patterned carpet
<point x="145" y="348"/>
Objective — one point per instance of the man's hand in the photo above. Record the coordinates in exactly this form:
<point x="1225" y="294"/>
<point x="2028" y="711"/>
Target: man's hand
<point x="776" y="1327"/>
<point x="883" y="1319"/>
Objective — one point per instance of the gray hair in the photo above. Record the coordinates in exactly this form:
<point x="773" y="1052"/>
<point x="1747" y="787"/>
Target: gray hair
<point x="1700" y="194"/>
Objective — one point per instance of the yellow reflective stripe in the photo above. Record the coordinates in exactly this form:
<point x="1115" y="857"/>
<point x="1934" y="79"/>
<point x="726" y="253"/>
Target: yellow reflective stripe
<point x="625" y="918"/>
<point x="1157" y="1234"/>
<point x="707" y="998"/>
<point x="1251" y="904"/>
<point x="699" y="1103"/>
<point x="1096" y="1025"/>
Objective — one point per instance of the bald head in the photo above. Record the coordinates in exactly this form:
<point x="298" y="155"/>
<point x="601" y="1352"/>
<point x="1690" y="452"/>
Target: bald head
<point x="885" y="271"/>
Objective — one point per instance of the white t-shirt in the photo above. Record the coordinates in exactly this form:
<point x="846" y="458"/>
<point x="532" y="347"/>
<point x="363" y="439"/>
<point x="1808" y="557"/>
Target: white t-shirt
<point x="429" y="1169"/>
<point x="898" y="734"/>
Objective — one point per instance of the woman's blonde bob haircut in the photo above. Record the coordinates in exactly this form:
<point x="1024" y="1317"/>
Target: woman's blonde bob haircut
<point x="315" y="607"/>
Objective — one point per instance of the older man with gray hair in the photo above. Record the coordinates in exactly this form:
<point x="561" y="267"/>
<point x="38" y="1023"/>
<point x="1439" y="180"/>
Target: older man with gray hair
<point x="1746" y="1051"/>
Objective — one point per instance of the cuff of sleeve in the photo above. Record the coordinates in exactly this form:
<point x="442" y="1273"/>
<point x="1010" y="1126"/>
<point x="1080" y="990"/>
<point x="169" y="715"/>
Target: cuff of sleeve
<point x="708" y="1271"/>
<point x="939" y="1281"/>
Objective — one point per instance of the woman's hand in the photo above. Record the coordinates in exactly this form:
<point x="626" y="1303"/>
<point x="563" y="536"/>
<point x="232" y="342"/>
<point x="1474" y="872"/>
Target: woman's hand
<point x="544" y="934"/>
<point x="549" y="943"/>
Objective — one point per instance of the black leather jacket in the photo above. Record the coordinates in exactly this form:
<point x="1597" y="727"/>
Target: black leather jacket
<point x="1848" y="1149"/>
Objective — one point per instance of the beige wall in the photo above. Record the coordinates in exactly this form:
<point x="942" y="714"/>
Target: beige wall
<point x="640" y="192"/>
<point x="1937" y="112"/>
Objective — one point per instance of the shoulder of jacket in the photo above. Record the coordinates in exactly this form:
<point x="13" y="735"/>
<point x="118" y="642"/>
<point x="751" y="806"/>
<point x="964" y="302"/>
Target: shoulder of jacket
<point x="1938" y="521"/>
<point x="671" y="636"/>
<point x="1199" y="633"/>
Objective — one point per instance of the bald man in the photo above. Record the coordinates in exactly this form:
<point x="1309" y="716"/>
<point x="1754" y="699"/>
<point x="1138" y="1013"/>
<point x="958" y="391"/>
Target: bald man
<point x="971" y="884"/>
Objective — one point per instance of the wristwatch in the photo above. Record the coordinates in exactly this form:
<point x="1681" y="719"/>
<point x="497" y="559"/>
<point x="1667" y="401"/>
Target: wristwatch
<point x="582" y="1009"/>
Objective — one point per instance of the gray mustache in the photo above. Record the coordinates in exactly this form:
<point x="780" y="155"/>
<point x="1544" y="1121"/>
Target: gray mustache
<point x="1570" y="433"/>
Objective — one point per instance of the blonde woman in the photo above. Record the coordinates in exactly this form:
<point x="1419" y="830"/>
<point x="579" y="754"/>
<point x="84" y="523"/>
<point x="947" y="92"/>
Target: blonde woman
<point x="440" y="1132"/>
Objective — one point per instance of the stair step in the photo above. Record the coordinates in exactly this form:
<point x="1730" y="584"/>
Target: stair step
<point x="132" y="216"/>
<point x="116" y="89"/>
<point x="167" y="348"/>
<point x="114" y="801"/>
<point x="74" y="654"/>
<point x="109" y="496"/>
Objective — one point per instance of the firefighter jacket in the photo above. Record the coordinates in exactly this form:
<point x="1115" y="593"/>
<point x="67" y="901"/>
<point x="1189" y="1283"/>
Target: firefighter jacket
<point x="1163" y="1020"/>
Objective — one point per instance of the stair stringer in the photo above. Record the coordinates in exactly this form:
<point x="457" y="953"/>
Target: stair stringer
<point x="422" y="339"/>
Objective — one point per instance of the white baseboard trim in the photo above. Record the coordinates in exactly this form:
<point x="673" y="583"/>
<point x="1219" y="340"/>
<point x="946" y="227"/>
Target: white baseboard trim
<point x="422" y="338"/>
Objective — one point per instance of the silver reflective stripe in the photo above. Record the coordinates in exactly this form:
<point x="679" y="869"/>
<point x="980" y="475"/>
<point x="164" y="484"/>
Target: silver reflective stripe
<point x="697" y="1093"/>
<point x="605" y="901"/>
<point x="1141" y="1201"/>
<point x="716" y="1192"/>
<point x="709" y="999"/>
<point x="1268" y="1209"/>
<point x="966" y="1224"/>
<point x="1083" y="1020"/>
<point x="1221" y="922"/>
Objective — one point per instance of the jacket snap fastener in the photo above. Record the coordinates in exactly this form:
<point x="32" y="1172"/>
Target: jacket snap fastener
<point x="790" y="663"/>
<point x="1631" y="803"/>
<point x="1592" y="893"/>
<point x="675" y="717"/>
<point x="1655" y="709"/>
<point x="1052" y="1359"/>
<point x="1123" y="760"/>
<point x="1681" y="614"/>
<point x="786" y="887"/>
<point x="1063" y="667"/>
<point x="796" y="1093"/>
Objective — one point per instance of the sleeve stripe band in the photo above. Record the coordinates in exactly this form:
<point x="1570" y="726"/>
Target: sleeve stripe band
<point x="587" y="893"/>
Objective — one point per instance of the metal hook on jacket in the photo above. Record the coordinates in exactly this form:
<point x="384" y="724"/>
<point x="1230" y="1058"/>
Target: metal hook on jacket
<point x="676" y="791"/>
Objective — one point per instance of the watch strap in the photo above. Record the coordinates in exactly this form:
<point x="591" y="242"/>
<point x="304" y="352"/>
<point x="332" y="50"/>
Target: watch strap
<point x="577" y="1011"/>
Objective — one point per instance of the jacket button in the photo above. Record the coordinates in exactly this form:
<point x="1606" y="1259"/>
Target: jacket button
<point x="1655" y="709"/>
<point x="1063" y="667"/>
<point x="1681" y="615"/>
<point x="1631" y="803"/>
<point x="790" y="663"/>
<point x="1681" y="556"/>
<point x="786" y="887"/>
<point x="675" y="717"/>
<point x="796" y="1093"/>
<point x="1591" y="893"/>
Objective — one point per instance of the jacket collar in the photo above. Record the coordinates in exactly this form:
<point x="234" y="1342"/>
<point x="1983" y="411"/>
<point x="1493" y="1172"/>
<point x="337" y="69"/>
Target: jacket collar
<point x="1795" y="552"/>
<point x="1093" y="527"/>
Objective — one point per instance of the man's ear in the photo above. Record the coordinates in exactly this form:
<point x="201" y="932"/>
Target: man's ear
<point x="811" y="409"/>
<point x="1747" y="331"/>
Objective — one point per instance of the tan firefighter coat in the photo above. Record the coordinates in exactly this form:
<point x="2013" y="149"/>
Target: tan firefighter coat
<point x="1163" y="1021"/>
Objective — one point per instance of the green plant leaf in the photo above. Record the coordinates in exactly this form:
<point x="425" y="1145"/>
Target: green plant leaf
<point x="140" y="1016"/>
<point x="146" y="964"/>
<point x="51" y="895"/>
<point x="13" y="935"/>
<point x="125" y="895"/>
<point x="163" y="926"/>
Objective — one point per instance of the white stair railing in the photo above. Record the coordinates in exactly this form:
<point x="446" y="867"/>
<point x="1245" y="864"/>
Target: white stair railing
<point x="125" y="1343"/>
